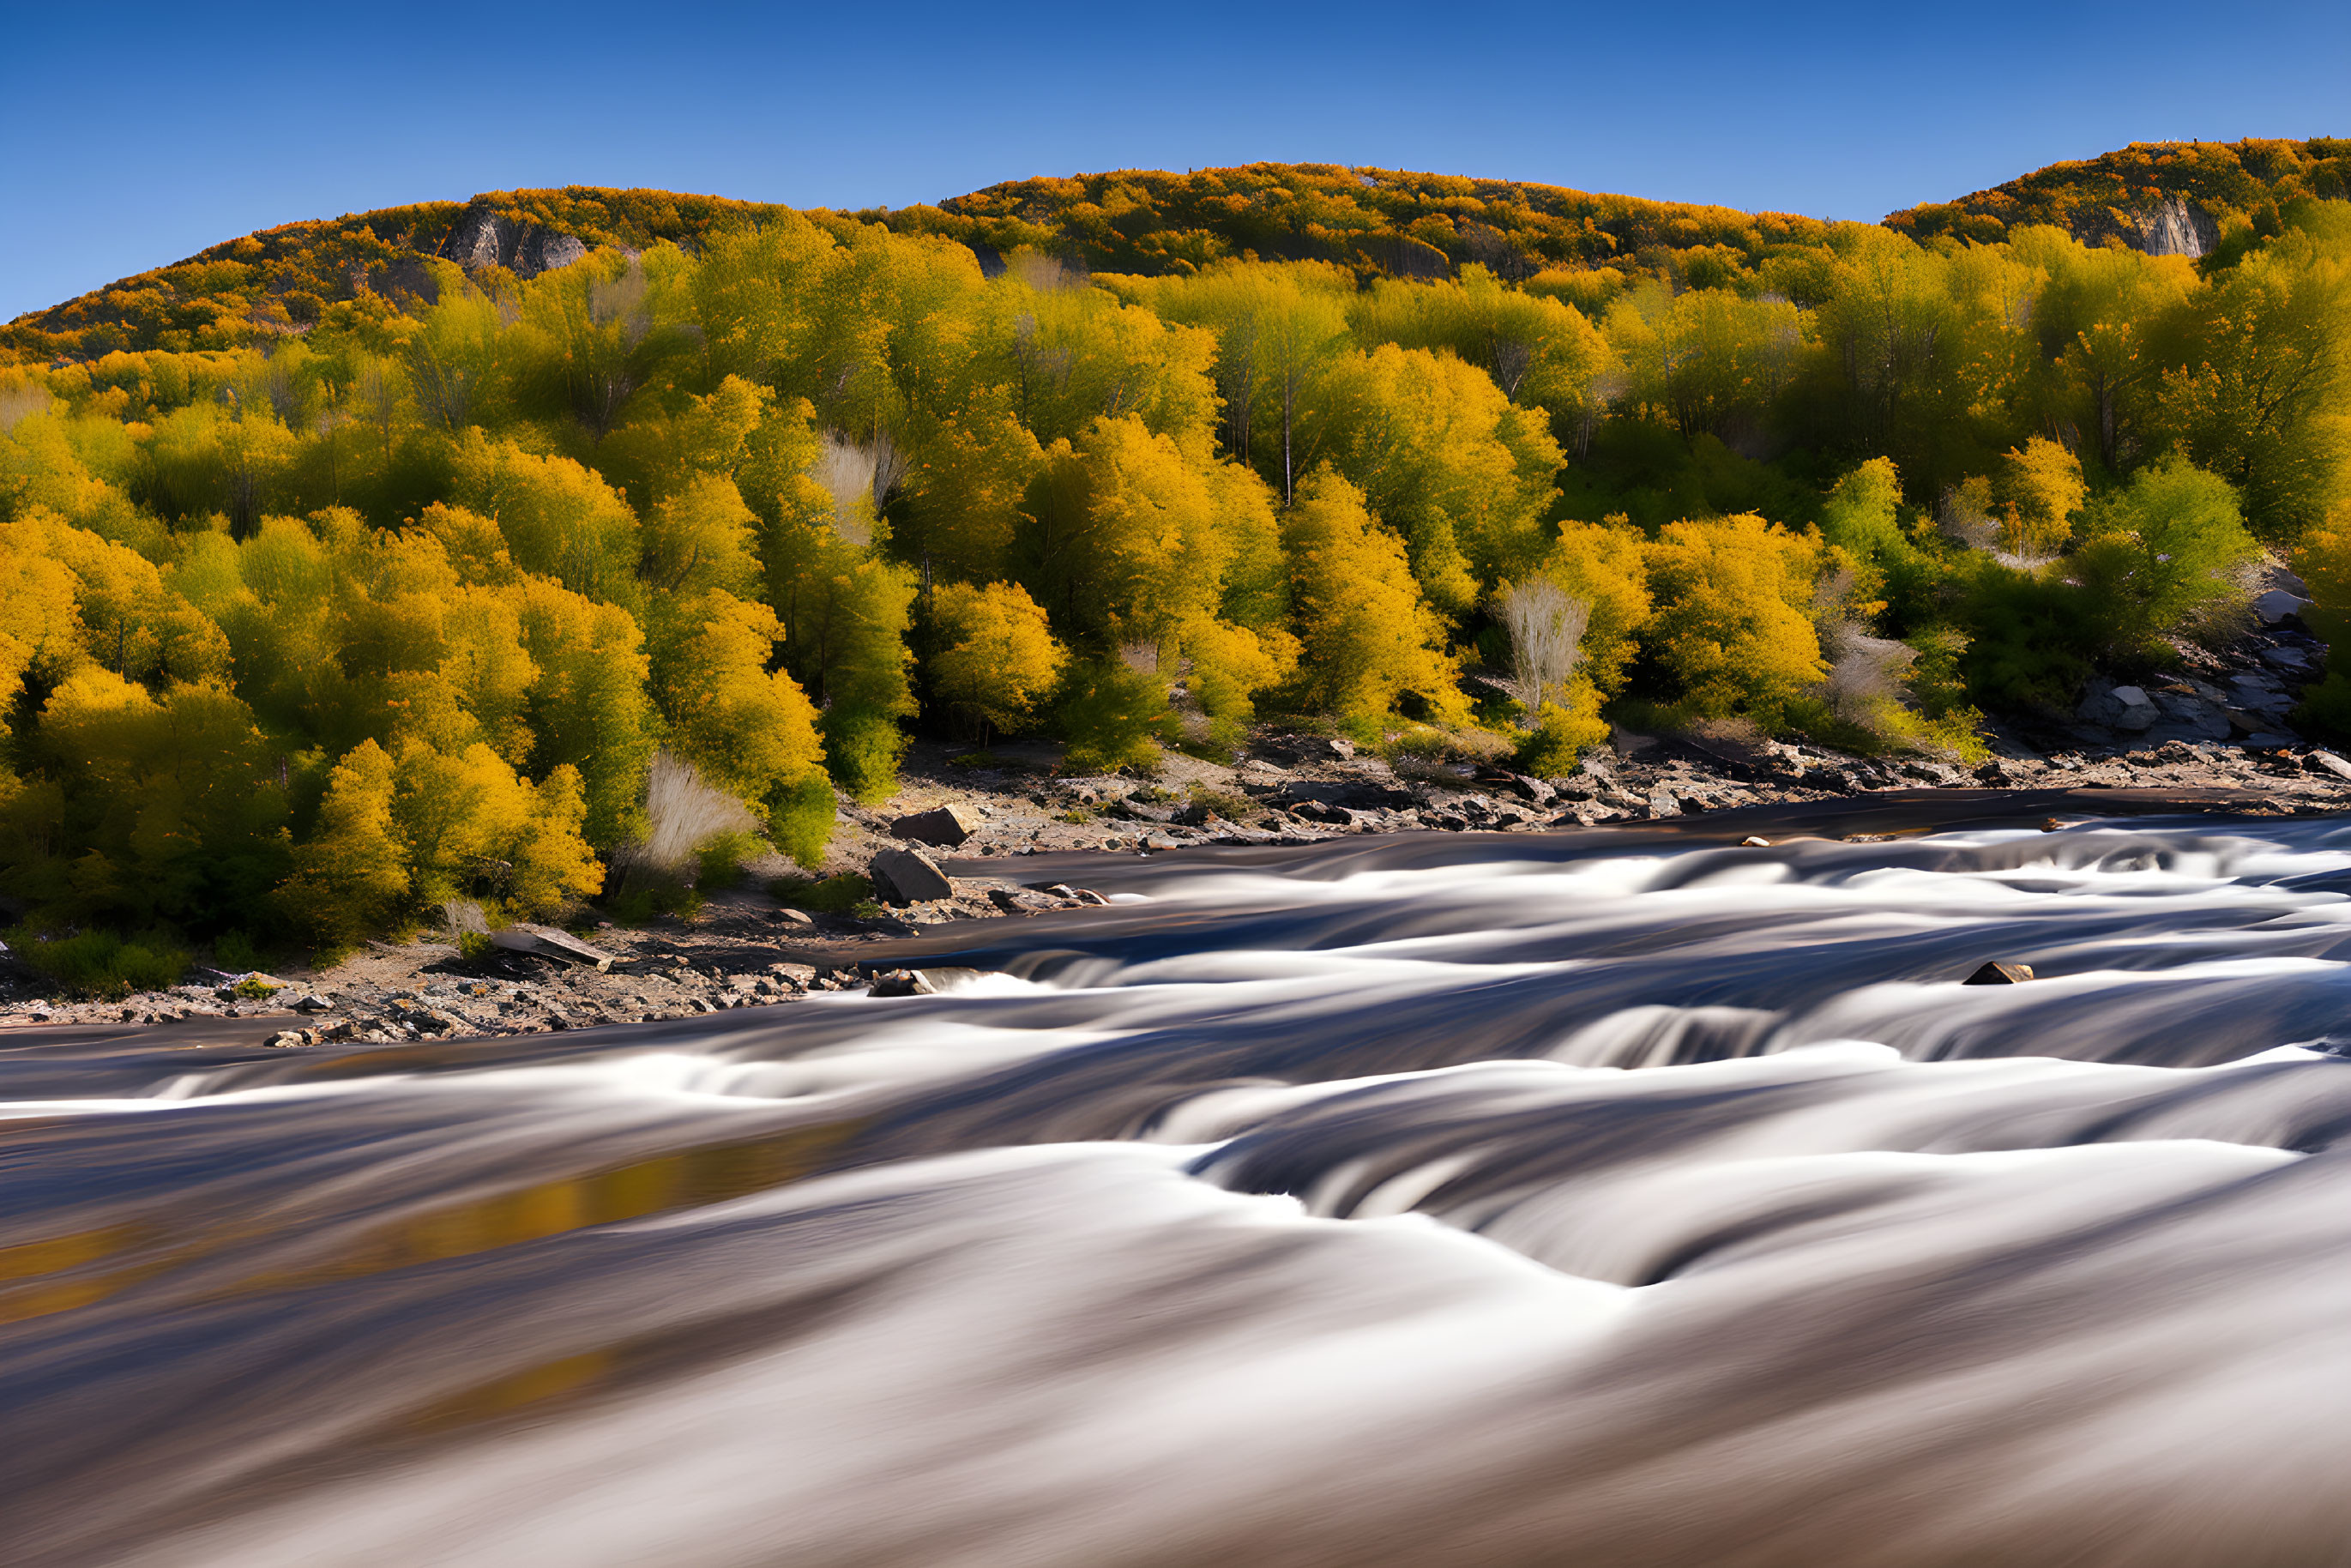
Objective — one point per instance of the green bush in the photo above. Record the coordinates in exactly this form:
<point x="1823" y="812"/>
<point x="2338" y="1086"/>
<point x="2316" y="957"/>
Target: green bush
<point x="101" y="963"/>
<point x="830" y="896"/>
<point x="2162" y="552"/>
<point x="1115" y="717"/>
<point x="2035" y="640"/>
<point x="862" y="749"/>
<point x="1551" y="749"/>
<point x="233" y="950"/>
<point x="800" y="819"/>
<point x="719" y="861"/>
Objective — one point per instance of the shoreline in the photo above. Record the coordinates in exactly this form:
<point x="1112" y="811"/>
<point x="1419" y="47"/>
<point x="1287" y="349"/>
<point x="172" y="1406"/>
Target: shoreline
<point x="1090" y="838"/>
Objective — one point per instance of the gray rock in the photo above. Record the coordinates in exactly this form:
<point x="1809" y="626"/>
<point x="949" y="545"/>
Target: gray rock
<point x="944" y="826"/>
<point x="907" y="876"/>
<point x="2185" y="717"/>
<point x="899" y="983"/>
<point x="545" y="942"/>
<point x="2277" y="603"/>
<point x="1663" y="804"/>
<point x="923" y="982"/>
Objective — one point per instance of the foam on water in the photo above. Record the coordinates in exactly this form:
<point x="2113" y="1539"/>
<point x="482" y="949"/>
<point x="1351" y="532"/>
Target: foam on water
<point x="1502" y="1203"/>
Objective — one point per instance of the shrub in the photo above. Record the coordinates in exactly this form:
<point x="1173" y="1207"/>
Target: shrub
<point x="998" y="658"/>
<point x="1733" y="624"/>
<point x="719" y="861"/>
<point x="2163" y="552"/>
<point x="683" y="812"/>
<point x="1115" y="716"/>
<point x="862" y="748"/>
<point x="235" y="950"/>
<point x="2035" y="640"/>
<point x="1549" y="750"/>
<point x="101" y="963"/>
<point x="1229" y="804"/>
<point x="800" y="818"/>
<point x="830" y="895"/>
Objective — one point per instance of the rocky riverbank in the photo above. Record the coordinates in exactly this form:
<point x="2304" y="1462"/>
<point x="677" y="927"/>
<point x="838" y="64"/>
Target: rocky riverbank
<point x="963" y="839"/>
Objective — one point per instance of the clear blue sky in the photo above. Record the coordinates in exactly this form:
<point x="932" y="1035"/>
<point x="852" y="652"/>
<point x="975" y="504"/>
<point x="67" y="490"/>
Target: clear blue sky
<point x="131" y="136"/>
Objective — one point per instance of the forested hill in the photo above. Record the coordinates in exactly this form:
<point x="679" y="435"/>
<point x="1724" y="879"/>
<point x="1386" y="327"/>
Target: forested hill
<point x="2166" y="197"/>
<point x="2163" y="198"/>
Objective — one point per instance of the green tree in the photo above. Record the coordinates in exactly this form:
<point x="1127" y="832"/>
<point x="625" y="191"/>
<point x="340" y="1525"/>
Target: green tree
<point x="2163" y="550"/>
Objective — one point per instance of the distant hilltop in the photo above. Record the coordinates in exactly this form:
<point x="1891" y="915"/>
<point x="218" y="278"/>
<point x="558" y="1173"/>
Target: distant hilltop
<point x="2168" y="198"/>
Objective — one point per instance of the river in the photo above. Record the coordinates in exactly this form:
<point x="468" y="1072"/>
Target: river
<point x="1618" y="1200"/>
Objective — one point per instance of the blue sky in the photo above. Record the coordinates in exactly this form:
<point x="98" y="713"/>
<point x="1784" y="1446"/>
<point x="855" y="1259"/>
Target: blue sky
<point x="131" y="136"/>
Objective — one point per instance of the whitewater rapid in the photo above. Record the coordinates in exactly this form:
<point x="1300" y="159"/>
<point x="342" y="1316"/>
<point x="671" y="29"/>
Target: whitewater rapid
<point x="1445" y="1201"/>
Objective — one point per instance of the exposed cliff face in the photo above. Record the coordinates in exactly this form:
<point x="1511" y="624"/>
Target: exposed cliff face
<point x="2173" y="226"/>
<point x="482" y="238"/>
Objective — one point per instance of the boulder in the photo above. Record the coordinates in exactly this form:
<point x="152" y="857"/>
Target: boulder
<point x="923" y="982"/>
<point x="2331" y="763"/>
<point x="2138" y="709"/>
<point x="2098" y="701"/>
<point x="1663" y="804"/>
<point x="944" y="826"/>
<point x="2000" y="974"/>
<point x="908" y="876"/>
<point x="1063" y="890"/>
<point x="900" y="983"/>
<point x="2277" y="603"/>
<point x="545" y="942"/>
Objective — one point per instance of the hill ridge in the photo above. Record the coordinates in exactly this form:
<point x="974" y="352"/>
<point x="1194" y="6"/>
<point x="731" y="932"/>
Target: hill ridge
<point x="2164" y="197"/>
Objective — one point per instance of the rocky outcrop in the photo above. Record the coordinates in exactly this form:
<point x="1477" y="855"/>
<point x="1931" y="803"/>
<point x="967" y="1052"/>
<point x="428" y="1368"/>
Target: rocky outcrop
<point x="482" y="238"/>
<point x="2173" y="226"/>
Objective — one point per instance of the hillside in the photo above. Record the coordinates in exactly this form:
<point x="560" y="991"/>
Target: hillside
<point x="1376" y="223"/>
<point x="2164" y="197"/>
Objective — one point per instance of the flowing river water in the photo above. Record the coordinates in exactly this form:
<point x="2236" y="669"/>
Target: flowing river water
<point x="1613" y="1200"/>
